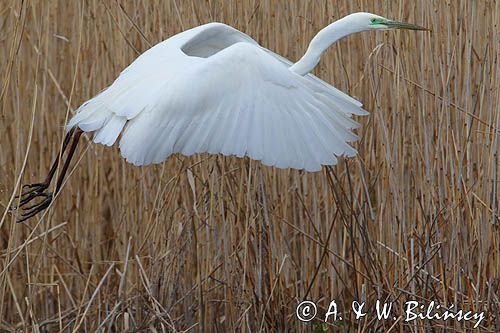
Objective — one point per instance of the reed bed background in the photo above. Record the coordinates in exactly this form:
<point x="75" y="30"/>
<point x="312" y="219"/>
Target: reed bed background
<point x="213" y="243"/>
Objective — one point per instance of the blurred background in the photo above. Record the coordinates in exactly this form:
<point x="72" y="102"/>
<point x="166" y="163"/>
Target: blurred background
<point x="213" y="243"/>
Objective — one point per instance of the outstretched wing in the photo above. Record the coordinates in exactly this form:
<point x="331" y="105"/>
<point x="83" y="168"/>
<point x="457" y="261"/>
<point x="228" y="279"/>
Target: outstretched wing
<point x="243" y="101"/>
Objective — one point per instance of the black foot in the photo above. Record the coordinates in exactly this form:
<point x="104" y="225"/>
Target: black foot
<point x="34" y="191"/>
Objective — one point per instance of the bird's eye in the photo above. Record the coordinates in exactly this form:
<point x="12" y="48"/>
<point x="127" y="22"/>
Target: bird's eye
<point x="377" y="20"/>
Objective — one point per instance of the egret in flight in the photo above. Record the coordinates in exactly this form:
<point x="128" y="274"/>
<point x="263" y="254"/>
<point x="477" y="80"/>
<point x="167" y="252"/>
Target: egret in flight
<point x="214" y="89"/>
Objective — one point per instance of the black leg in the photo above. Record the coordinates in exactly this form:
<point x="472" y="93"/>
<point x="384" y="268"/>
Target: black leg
<point x="72" y="149"/>
<point x="38" y="190"/>
<point x="37" y="187"/>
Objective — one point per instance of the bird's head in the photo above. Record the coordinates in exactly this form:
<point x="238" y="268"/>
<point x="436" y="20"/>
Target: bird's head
<point x="368" y="21"/>
<point x="346" y="26"/>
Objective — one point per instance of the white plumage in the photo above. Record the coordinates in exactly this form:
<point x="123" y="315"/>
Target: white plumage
<point x="214" y="89"/>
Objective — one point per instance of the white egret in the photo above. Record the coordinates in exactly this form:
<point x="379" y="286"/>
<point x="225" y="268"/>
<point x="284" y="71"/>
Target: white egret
<point x="214" y="89"/>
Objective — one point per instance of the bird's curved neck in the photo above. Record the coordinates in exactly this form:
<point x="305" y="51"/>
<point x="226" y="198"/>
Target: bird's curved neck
<point x="326" y="37"/>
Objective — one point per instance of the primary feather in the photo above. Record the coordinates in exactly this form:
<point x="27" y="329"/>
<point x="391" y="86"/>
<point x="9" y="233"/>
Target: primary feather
<point x="214" y="89"/>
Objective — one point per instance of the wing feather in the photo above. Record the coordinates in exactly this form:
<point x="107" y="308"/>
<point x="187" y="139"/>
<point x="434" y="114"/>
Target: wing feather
<point x="110" y="131"/>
